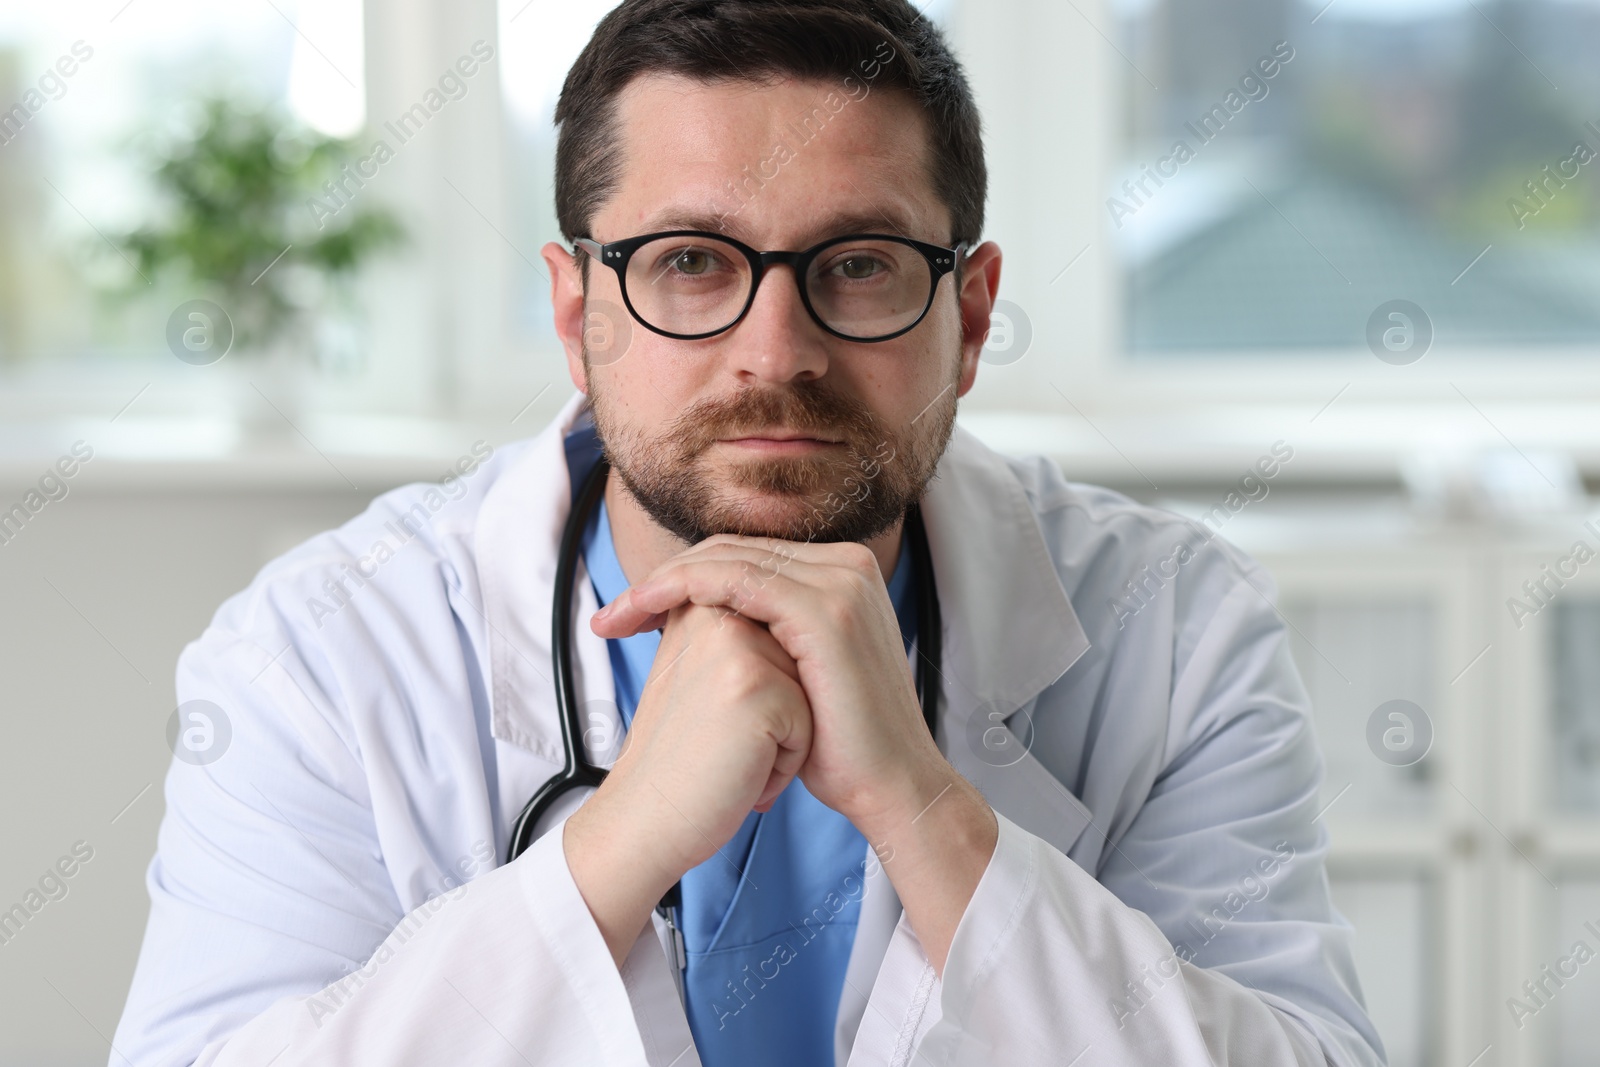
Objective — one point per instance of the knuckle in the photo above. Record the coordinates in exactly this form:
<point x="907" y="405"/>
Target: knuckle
<point x="737" y="593"/>
<point x="839" y="614"/>
<point x="861" y="559"/>
<point x="741" y="676"/>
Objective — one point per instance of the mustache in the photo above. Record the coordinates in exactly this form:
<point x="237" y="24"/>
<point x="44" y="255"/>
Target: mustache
<point x="803" y="408"/>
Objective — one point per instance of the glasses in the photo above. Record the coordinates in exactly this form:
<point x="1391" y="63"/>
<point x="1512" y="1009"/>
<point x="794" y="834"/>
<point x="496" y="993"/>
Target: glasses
<point x="693" y="284"/>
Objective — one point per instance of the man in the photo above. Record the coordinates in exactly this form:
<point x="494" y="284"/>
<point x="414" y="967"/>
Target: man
<point x="1105" y="852"/>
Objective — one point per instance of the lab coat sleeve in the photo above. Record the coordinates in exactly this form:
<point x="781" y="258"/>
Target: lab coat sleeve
<point x="1209" y="936"/>
<point x="276" y="936"/>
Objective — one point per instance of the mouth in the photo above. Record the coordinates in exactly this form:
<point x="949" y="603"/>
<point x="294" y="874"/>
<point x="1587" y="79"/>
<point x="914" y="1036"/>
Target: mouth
<point x="780" y="441"/>
<point x="779" y="437"/>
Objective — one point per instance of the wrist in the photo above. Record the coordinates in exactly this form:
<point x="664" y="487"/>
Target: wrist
<point x="899" y="799"/>
<point x="935" y="815"/>
<point x="935" y="842"/>
<point x="618" y="874"/>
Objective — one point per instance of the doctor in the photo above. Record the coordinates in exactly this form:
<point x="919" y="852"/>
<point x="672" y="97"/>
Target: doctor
<point x="1104" y="853"/>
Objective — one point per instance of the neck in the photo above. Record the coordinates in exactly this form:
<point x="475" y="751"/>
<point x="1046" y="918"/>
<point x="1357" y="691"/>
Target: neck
<point x="643" y="545"/>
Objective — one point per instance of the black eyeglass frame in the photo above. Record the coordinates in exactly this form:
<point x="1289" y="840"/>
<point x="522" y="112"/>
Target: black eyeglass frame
<point x="617" y="255"/>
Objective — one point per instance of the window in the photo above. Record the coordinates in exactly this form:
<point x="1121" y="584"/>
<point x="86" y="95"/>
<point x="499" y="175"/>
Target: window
<point x="1288" y="166"/>
<point x="538" y="47"/>
<point x="83" y="97"/>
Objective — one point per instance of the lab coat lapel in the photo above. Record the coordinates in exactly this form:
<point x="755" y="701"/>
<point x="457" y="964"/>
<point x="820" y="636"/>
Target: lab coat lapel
<point x="518" y="542"/>
<point x="1009" y="632"/>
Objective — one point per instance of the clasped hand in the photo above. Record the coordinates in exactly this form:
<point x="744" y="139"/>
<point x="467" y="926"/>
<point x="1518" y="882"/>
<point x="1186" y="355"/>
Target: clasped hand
<point x="777" y="659"/>
<point x="818" y="614"/>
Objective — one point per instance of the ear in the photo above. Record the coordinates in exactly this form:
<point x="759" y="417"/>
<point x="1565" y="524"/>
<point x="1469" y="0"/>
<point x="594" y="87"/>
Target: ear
<point x="566" y="300"/>
<point x="980" y="284"/>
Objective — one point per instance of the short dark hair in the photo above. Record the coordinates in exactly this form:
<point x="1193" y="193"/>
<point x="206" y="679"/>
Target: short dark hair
<point x="763" y="40"/>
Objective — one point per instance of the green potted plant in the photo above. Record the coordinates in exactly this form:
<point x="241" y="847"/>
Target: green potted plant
<point x="257" y="213"/>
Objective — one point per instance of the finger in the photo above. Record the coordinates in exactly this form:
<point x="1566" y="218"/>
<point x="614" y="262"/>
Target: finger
<point x="792" y="754"/>
<point x="731" y="585"/>
<point x="781" y="552"/>
<point x="755" y="637"/>
<point x="766" y="645"/>
<point x="760" y="562"/>
<point x="751" y="635"/>
<point x="603" y="625"/>
<point x="771" y="556"/>
<point x="758" y="568"/>
<point x="776" y="784"/>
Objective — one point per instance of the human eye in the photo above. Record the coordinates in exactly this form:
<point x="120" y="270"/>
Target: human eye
<point x="859" y="266"/>
<point x="693" y="261"/>
<point x="869" y="262"/>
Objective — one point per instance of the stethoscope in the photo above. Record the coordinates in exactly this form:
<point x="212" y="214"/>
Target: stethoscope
<point x="577" y="771"/>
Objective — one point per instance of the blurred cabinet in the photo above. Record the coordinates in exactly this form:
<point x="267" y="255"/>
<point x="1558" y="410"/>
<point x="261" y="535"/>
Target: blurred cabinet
<point x="1359" y="645"/>
<point x="1549" y="998"/>
<point x="1374" y="620"/>
<point x="1468" y="871"/>
<point x="1357" y="650"/>
<point x="1573" y="643"/>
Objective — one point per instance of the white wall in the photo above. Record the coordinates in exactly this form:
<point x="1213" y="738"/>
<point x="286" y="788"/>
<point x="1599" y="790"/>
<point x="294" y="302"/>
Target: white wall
<point x="98" y="594"/>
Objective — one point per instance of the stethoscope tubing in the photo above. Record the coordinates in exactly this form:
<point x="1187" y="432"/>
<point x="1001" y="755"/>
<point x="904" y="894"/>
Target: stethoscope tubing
<point x="576" y="771"/>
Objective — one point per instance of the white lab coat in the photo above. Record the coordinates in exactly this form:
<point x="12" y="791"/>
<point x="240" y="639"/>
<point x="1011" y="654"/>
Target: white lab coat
<point x="307" y="903"/>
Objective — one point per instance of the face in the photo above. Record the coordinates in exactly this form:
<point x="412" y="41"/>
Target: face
<point x="775" y="427"/>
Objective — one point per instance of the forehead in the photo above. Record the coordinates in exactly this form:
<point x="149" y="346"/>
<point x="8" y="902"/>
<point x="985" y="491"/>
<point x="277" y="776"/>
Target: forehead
<point x="779" y="165"/>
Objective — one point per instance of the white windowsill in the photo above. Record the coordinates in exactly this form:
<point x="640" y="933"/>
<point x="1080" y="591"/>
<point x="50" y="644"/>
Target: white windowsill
<point x="1346" y="444"/>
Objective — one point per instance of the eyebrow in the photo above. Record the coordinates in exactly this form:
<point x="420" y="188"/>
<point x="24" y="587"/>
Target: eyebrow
<point x="888" y="220"/>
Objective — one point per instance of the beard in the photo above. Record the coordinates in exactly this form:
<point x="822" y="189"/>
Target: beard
<point x="851" y="492"/>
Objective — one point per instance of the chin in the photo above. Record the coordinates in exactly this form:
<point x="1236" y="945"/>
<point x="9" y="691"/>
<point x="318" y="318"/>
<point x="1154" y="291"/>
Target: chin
<point x="797" y="500"/>
<point x="765" y="513"/>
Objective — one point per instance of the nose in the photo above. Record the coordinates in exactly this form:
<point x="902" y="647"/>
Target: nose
<point x="777" y="340"/>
